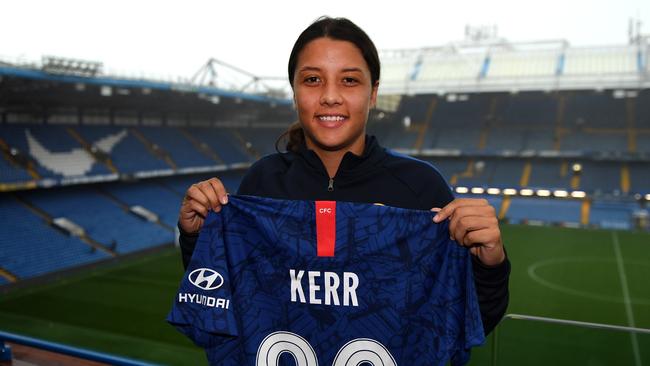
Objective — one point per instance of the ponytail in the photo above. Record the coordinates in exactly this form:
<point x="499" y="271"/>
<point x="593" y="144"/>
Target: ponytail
<point x="295" y="137"/>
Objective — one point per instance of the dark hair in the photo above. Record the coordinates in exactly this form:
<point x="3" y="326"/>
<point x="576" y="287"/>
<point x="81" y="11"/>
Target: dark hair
<point x="341" y="29"/>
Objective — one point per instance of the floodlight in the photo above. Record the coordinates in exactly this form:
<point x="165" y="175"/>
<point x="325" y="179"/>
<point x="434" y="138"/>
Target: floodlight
<point x="462" y="190"/>
<point x="493" y="191"/>
<point x="561" y="193"/>
<point x="478" y="190"/>
<point x="509" y="191"/>
<point x="526" y="192"/>
<point x="543" y="192"/>
<point x="578" y="194"/>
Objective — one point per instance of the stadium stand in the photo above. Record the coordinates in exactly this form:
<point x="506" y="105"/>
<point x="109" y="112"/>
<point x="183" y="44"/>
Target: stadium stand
<point x="102" y="218"/>
<point x="127" y="152"/>
<point x="31" y="247"/>
<point x="224" y="142"/>
<point x="10" y="173"/>
<point x="527" y="210"/>
<point x="180" y="149"/>
<point x="150" y="195"/>
<point x="550" y="173"/>
<point x="501" y="116"/>
<point x="612" y="214"/>
<point x="53" y="148"/>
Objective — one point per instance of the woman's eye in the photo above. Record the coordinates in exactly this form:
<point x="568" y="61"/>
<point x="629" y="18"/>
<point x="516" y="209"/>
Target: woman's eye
<point x="312" y="79"/>
<point x="350" y="81"/>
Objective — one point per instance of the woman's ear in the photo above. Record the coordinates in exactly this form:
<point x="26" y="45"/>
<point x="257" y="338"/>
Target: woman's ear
<point x="373" y="95"/>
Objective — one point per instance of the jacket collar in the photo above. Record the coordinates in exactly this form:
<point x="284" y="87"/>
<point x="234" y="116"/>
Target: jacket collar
<point x="351" y="164"/>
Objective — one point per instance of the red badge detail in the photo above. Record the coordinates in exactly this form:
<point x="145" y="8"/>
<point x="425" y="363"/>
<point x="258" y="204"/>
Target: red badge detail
<point x="325" y="228"/>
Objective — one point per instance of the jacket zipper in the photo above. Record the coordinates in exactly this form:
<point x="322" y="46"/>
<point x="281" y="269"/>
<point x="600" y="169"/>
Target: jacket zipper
<point x="330" y="185"/>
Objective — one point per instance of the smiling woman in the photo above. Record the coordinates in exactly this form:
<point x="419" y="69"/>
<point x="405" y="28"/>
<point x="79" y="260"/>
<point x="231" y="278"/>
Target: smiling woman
<point x="334" y="71"/>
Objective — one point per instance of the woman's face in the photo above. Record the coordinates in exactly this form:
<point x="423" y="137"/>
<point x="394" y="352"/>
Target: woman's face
<point x="333" y="93"/>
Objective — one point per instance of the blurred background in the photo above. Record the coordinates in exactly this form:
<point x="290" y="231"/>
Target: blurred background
<point x="109" y="111"/>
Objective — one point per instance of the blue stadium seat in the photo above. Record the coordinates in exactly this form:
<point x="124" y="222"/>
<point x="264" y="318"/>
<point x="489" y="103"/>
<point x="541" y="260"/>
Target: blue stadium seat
<point x="612" y="215"/>
<point x="592" y="142"/>
<point x="129" y="154"/>
<point x="500" y="139"/>
<point x="180" y="149"/>
<point x="594" y="110"/>
<point x="544" y="210"/>
<point x="224" y="143"/>
<point x="639" y="178"/>
<point x="154" y="197"/>
<point x="10" y="173"/>
<point x="506" y="173"/>
<point x="31" y="248"/>
<point x="529" y="109"/>
<point x="601" y="177"/>
<point x="448" y="166"/>
<point x="548" y="174"/>
<point x="262" y="140"/>
<point x="539" y="140"/>
<point x="102" y="219"/>
<point x="57" y="153"/>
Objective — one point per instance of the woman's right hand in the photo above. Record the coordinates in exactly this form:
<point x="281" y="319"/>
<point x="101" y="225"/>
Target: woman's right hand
<point x="199" y="199"/>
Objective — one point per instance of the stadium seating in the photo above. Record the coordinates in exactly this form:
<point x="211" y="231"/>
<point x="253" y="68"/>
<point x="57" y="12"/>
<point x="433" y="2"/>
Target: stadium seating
<point x="30" y="247"/>
<point x="10" y="173"/>
<point x="612" y="214"/>
<point x="529" y="110"/>
<point x="57" y="153"/>
<point x="224" y="142"/>
<point x="150" y="195"/>
<point x="548" y="173"/>
<point x="545" y="210"/>
<point x="180" y="149"/>
<point x="595" y="110"/>
<point x="601" y="177"/>
<point x="639" y="177"/>
<point x="261" y="140"/>
<point x="128" y="154"/>
<point x="102" y="219"/>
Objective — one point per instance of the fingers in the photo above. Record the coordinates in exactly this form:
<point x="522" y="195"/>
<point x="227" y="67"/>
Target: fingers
<point x="448" y="210"/>
<point x="209" y="193"/>
<point x="473" y="223"/>
<point x="199" y="199"/>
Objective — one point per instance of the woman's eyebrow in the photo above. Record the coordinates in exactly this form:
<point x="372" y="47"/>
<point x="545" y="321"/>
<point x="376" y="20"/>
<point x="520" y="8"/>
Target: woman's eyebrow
<point x="310" y="68"/>
<point x="352" y="69"/>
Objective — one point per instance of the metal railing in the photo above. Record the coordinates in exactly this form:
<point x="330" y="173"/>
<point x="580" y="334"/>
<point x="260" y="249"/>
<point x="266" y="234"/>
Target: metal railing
<point x="5" y="350"/>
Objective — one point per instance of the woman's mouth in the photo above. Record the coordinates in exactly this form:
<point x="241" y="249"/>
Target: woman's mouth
<point x="331" y="120"/>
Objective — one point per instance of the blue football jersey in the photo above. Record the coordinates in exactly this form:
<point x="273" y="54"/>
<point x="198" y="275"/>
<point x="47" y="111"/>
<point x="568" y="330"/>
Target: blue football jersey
<point x="280" y="282"/>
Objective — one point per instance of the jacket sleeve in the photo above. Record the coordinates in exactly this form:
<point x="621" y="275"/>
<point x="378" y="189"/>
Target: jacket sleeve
<point x="187" y="242"/>
<point x="492" y="290"/>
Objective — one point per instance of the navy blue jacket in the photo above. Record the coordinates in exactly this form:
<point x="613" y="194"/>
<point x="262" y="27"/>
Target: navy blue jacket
<point x="377" y="176"/>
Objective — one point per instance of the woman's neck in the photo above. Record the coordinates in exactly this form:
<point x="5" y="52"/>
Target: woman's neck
<point x="332" y="159"/>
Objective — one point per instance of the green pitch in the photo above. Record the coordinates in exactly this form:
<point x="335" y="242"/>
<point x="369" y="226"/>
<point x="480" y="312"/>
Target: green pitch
<point x="593" y="276"/>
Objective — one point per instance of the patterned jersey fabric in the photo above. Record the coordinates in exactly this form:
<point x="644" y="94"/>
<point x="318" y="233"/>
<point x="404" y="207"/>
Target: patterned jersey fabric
<point x="279" y="282"/>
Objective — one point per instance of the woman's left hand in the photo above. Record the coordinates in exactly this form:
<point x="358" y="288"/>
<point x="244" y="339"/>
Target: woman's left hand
<point x="473" y="223"/>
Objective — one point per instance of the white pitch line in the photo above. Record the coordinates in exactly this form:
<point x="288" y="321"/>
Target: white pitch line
<point x="626" y="297"/>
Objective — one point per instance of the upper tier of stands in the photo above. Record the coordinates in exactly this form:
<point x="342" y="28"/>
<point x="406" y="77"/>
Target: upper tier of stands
<point x="560" y="129"/>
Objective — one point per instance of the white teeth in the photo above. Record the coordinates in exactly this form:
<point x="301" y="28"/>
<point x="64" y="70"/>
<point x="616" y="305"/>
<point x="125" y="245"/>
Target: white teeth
<point x="331" y="118"/>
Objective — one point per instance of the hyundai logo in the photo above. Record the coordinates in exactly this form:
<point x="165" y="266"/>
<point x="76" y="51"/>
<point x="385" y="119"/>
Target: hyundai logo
<point x="206" y="279"/>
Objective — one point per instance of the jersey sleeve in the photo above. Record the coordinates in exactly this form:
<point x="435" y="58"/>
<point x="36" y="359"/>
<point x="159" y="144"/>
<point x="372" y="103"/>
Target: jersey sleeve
<point x="465" y="318"/>
<point x="203" y="309"/>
